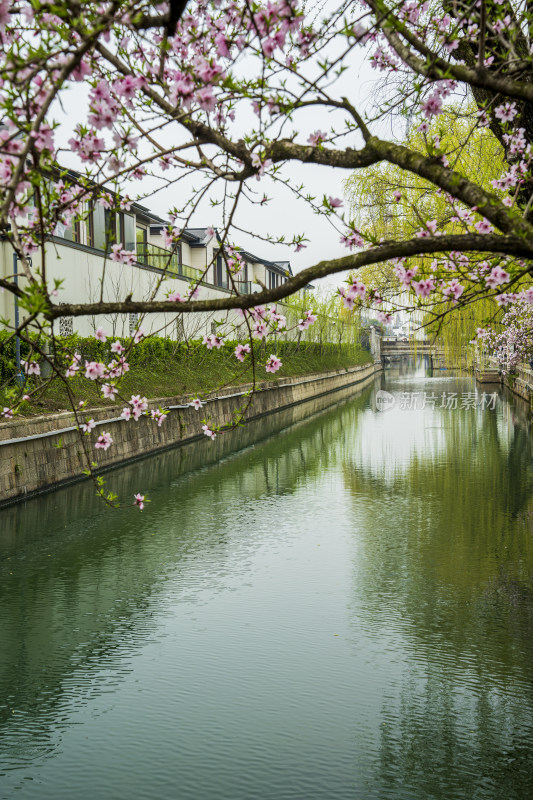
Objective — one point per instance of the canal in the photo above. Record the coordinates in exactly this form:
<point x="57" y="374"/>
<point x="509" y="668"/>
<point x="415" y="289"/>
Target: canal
<point x="332" y="602"/>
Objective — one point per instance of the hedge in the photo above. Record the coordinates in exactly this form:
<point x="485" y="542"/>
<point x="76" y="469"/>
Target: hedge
<point x="161" y="350"/>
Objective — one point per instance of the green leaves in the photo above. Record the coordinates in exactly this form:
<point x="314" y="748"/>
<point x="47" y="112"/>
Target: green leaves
<point x="34" y="300"/>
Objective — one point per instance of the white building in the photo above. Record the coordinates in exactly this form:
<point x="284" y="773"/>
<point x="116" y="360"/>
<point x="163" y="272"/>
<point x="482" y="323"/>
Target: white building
<point x="78" y="255"/>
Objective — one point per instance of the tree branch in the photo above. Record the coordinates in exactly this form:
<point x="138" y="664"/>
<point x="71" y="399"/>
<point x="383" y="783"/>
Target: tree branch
<point x="437" y="68"/>
<point x="473" y="242"/>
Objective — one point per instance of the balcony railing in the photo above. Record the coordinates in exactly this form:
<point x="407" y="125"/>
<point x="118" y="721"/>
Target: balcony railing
<point x="154" y="256"/>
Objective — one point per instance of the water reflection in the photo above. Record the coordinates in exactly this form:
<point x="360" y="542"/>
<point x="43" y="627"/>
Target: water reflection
<point x="341" y="608"/>
<point x="76" y="581"/>
<point x="447" y="565"/>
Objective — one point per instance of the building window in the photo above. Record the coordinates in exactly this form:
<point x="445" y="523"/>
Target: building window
<point x="110" y="228"/>
<point x="219" y="271"/>
<point x="243" y="274"/>
<point x="99" y="226"/>
<point x="121" y="233"/>
<point x="273" y="279"/>
<point x="89" y="226"/>
<point x="141" y="236"/>
<point x="128" y="231"/>
<point x="71" y="233"/>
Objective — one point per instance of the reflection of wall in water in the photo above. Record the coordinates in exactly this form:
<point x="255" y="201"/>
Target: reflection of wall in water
<point x="413" y="366"/>
<point x="60" y="507"/>
<point x="80" y="607"/>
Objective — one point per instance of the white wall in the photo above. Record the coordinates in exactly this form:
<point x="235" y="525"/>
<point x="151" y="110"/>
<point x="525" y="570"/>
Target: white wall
<point x="83" y="272"/>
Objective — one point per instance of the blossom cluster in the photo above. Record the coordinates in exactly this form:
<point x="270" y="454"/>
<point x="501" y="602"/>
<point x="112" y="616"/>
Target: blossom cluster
<point x="511" y="341"/>
<point x="263" y="321"/>
<point x="199" y="77"/>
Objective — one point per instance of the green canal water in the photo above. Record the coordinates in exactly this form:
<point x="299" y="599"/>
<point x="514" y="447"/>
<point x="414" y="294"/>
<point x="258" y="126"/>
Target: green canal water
<point x="333" y="602"/>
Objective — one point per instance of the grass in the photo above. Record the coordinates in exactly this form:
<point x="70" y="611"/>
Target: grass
<point x="198" y="372"/>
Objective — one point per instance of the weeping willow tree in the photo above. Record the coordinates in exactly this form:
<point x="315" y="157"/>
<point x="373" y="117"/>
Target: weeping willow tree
<point x="471" y="150"/>
<point x="456" y="332"/>
<point x="335" y="325"/>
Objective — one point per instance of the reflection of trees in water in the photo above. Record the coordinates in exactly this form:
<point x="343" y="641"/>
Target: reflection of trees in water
<point x="441" y="741"/>
<point x="452" y="516"/>
<point x="446" y="566"/>
<point x="82" y="609"/>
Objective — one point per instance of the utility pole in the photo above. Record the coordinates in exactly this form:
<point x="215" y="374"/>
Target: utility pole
<point x="20" y="378"/>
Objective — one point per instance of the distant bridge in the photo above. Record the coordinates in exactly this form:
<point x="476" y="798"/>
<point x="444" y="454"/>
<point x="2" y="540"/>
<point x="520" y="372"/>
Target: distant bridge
<point x="394" y="348"/>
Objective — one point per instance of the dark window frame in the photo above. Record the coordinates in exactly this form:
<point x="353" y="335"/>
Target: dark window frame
<point x="90" y="225"/>
<point x="121" y="229"/>
<point x="142" y="257"/>
<point x="76" y="231"/>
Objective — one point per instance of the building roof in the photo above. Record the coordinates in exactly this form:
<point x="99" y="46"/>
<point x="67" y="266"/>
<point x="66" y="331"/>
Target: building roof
<point x="189" y="235"/>
<point x="197" y="237"/>
<point x="200" y="234"/>
<point x="285" y="266"/>
<point x="281" y="267"/>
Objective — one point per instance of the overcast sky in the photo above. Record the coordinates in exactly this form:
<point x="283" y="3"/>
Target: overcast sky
<point x="284" y="214"/>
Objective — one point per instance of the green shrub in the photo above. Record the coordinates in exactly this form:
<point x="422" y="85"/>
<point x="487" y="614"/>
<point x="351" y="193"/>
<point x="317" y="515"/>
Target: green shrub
<point x="162" y="367"/>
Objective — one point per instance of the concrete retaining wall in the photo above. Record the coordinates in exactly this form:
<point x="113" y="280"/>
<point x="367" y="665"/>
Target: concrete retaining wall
<point x="41" y="453"/>
<point x="521" y="383"/>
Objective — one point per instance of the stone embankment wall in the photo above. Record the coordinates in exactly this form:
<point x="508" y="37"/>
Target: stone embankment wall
<point x="41" y="453"/>
<point x="520" y="382"/>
